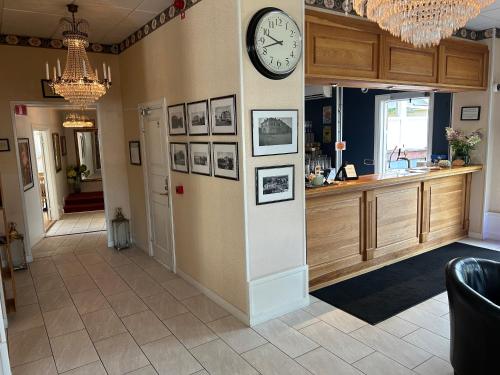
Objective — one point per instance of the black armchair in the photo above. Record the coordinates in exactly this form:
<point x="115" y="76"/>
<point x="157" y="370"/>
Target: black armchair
<point x="474" y="295"/>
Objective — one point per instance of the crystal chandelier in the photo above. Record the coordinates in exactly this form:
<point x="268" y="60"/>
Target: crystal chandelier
<point x="79" y="84"/>
<point x="422" y="23"/>
<point x="75" y="120"/>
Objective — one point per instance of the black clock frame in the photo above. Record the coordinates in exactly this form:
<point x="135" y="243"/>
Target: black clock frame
<point x="252" y="51"/>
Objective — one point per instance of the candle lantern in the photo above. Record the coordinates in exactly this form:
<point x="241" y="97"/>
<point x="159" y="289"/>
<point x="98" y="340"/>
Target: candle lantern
<point x="17" y="250"/>
<point x="121" y="230"/>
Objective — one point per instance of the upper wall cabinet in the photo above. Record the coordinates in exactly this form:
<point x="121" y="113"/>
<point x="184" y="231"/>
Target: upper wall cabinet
<point x="403" y="62"/>
<point x="463" y="65"/>
<point x="335" y="50"/>
<point x="350" y="52"/>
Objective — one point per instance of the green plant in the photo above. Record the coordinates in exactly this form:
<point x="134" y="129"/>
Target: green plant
<point x="74" y="173"/>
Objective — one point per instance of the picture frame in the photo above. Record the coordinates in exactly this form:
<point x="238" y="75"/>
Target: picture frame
<point x="471" y="113"/>
<point x="274" y="132"/>
<point x="223" y="120"/>
<point x="134" y="151"/>
<point x="56" y="148"/>
<point x="198" y="118"/>
<point x="4" y="145"/>
<point x="23" y="146"/>
<point x="179" y="158"/>
<point x="64" y="149"/>
<point x="177" y="119"/>
<point x="226" y="160"/>
<point x="47" y="91"/>
<point x="200" y="158"/>
<point x="274" y="184"/>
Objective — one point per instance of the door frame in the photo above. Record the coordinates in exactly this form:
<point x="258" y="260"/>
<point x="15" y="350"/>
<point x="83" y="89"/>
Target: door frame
<point x="153" y="105"/>
<point x="57" y="105"/>
<point x="50" y="176"/>
<point x="379" y="120"/>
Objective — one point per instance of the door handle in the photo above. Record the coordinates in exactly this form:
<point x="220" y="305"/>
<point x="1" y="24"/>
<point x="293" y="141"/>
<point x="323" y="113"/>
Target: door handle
<point x="164" y="194"/>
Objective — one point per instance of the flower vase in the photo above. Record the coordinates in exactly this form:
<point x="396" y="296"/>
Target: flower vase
<point x="462" y="156"/>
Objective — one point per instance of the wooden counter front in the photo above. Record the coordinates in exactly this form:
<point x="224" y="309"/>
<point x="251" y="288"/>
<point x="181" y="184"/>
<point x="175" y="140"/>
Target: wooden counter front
<point x="358" y="225"/>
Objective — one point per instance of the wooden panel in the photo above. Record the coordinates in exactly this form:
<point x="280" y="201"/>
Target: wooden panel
<point x="403" y="62"/>
<point x="334" y="232"/>
<point x="336" y="51"/>
<point x="447" y="204"/>
<point x="463" y="65"/>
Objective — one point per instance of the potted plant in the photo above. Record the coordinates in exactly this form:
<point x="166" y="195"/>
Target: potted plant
<point x="74" y="174"/>
<point x="461" y="144"/>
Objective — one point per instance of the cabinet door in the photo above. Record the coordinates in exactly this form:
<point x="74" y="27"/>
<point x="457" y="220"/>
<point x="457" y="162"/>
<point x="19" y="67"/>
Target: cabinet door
<point x="334" y="234"/>
<point x="403" y="62"/>
<point x="463" y="64"/>
<point x="338" y="51"/>
<point x="444" y="208"/>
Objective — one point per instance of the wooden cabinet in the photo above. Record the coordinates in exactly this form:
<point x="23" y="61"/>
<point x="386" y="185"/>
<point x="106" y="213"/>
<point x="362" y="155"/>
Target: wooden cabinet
<point x="353" y="52"/>
<point x="364" y="224"/>
<point x="334" y="227"/>
<point x="463" y="65"/>
<point x="403" y="62"/>
<point x="395" y="222"/>
<point x="336" y="51"/>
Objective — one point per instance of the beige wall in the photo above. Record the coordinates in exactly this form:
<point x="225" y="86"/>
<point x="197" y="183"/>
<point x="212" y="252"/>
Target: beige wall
<point x="20" y="72"/>
<point x="493" y="198"/>
<point x="276" y="232"/>
<point x="183" y="61"/>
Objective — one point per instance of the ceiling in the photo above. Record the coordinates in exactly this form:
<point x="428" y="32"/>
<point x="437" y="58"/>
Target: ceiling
<point x="111" y="21"/>
<point x="489" y="17"/>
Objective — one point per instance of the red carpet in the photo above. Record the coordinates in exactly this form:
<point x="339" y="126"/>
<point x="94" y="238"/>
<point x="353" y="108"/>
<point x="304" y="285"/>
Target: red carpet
<point x="82" y="202"/>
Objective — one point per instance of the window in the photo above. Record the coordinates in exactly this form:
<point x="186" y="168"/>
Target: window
<point x="403" y="130"/>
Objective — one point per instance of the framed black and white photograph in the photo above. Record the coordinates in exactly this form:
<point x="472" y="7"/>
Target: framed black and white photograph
<point x="177" y="119"/>
<point x="23" y="145"/>
<point x="64" y="148"/>
<point x="274" y="132"/>
<point x="47" y="91"/>
<point x="470" y="113"/>
<point x="275" y="184"/>
<point x="223" y="115"/>
<point x="134" y="149"/>
<point x="4" y="145"/>
<point x="198" y="118"/>
<point x="199" y="154"/>
<point x="179" y="157"/>
<point x="225" y="160"/>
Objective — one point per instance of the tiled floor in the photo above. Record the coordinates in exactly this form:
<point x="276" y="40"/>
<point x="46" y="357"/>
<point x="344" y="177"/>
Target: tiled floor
<point x="86" y="309"/>
<point x="81" y="222"/>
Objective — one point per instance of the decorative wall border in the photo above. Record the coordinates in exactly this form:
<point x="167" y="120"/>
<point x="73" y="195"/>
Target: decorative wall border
<point x="32" y="41"/>
<point x="159" y="20"/>
<point x="345" y="6"/>
<point x="340" y="6"/>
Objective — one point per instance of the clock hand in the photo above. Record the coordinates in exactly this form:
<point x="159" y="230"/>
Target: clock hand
<point x="276" y="40"/>
<point x="272" y="44"/>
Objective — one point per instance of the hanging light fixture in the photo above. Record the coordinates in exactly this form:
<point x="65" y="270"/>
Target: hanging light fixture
<point x="422" y="23"/>
<point x="79" y="84"/>
<point x="75" y="120"/>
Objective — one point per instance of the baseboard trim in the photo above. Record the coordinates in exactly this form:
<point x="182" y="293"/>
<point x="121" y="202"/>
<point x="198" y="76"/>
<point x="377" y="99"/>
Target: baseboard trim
<point x="492" y="226"/>
<point x="240" y="315"/>
<point x="475" y="235"/>
<point x="278" y="294"/>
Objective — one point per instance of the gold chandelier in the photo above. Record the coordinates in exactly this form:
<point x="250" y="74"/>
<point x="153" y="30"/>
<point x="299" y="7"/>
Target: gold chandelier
<point x="79" y="84"/>
<point x="75" y="120"/>
<point x="422" y="23"/>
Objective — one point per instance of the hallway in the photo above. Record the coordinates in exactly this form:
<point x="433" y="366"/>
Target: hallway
<point x="87" y="309"/>
<point x="81" y="222"/>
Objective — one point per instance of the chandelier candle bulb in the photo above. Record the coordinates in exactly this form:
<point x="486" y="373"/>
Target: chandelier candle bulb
<point x="96" y="74"/>
<point x="47" y="71"/>
<point x="109" y="74"/>
<point x="104" y="71"/>
<point x="59" y="74"/>
<point x="84" y="69"/>
<point x="55" y="73"/>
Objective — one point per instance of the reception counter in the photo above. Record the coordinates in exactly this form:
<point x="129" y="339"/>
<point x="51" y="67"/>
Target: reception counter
<point x="356" y="226"/>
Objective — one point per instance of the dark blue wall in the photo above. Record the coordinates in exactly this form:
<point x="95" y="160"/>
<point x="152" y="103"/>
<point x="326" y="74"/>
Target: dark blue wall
<point x="359" y="125"/>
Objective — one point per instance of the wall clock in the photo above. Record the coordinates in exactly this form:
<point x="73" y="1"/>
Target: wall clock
<point x="274" y="43"/>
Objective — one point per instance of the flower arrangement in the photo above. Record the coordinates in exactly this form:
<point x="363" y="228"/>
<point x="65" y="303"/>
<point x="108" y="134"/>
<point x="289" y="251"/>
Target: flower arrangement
<point x="74" y="174"/>
<point x="462" y="144"/>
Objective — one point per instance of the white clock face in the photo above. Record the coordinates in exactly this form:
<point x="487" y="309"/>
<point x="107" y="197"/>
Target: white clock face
<point x="278" y="42"/>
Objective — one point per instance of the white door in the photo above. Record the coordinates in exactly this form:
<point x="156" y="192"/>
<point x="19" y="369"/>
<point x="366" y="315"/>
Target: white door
<point x="160" y="231"/>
